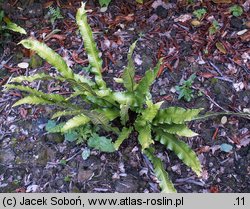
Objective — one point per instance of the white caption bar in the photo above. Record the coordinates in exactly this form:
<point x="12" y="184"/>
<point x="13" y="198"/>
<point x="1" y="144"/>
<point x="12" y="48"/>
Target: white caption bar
<point x="120" y="201"/>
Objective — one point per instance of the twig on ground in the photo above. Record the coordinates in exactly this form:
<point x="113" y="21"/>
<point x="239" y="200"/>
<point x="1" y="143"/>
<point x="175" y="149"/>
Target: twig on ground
<point x="210" y="99"/>
<point x="67" y="160"/>
<point x="216" y="68"/>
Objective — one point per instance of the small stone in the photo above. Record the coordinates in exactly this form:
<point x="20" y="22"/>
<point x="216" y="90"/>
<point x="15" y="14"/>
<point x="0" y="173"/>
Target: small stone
<point x="172" y="90"/>
<point x="246" y="110"/>
<point x="162" y="92"/>
<point x="23" y="65"/>
<point x="103" y="9"/>
<point x="242" y="32"/>
<point x="138" y="60"/>
<point x="32" y="188"/>
<point x="223" y="120"/>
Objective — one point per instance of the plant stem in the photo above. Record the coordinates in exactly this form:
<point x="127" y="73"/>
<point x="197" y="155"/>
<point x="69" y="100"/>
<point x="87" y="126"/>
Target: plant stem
<point x="245" y="115"/>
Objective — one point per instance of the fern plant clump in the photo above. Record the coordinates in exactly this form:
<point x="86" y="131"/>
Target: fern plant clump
<point x="124" y="113"/>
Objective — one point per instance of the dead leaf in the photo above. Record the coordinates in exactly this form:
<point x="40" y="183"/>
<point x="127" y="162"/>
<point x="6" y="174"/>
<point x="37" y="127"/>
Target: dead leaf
<point x="237" y="60"/>
<point x="245" y="56"/>
<point x="23" y="112"/>
<point x="244" y="142"/>
<point x="48" y="4"/>
<point x="21" y="190"/>
<point x="160" y="70"/>
<point x="231" y="69"/>
<point x="221" y="47"/>
<point x="183" y="18"/>
<point x="59" y="37"/>
<point x="121" y="167"/>
<point x="196" y="23"/>
<point x="207" y="75"/>
<point x="222" y="1"/>
<point x="168" y="98"/>
<point x="127" y="18"/>
<point x="67" y="58"/>
<point x="84" y="175"/>
<point x="203" y="149"/>
<point x="238" y="86"/>
<point x="115" y="176"/>
<point x="77" y="59"/>
<point x="245" y="36"/>
<point x="204" y="175"/>
<point x="158" y="3"/>
<point x="27" y="52"/>
<point x="215" y="148"/>
<point x="106" y="44"/>
<point x="214" y="189"/>
<point x="246" y="6"/>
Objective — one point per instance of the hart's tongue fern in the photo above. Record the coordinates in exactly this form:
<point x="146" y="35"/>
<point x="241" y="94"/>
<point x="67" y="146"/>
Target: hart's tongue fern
<point x="132" y="109"/>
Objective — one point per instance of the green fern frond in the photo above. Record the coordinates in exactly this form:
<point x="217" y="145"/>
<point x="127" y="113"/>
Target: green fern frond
<point x="124" y="113"/>
<point x="32" y="100"/>
<point x="129" y="72"/>
<point x="125" y="98"/>
<point x="103" y="93"/>
<point x="74" y="95"/>
<point x="49" y="55"/>
<point x="150" y="112"/>
<point x="104" y="2"/>
<point x="90" y="46"/>
<point x="98" y="102"/>
<point x="165" y="183"/>
<point x="144" y="137"/>
<point x="50" y="97"/>
<point x="31" y="78"/>
<point x="122" y="136"/>
<point x="65" y="113"/>
<point x="55" y="129"/>
<point x="175" y="115"/>
<point x="145" y="83"/>
<point x="13" y="26"/>
<point x="181" y="149"/>
<point x="74" y="122"/>
<point x="98" y="118"/>
<point x="83" y="79"/>
<point x="110" y="113"/>
<point x="179" y="129"/>
<point x="82" y="87"/>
